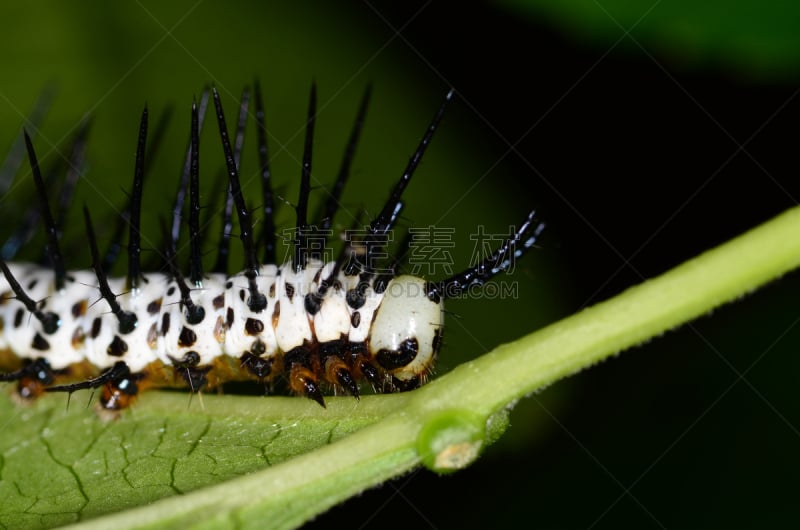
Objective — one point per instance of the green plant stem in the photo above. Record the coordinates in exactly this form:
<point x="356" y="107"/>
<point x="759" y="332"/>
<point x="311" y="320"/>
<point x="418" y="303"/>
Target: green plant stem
<point x="287" y="494"/>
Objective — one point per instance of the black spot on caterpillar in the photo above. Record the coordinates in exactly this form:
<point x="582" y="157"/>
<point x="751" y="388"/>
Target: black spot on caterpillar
<point x="320" y="325"/>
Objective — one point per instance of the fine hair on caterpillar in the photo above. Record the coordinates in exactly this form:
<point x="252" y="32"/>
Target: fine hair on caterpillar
<point x="321" y="325"/>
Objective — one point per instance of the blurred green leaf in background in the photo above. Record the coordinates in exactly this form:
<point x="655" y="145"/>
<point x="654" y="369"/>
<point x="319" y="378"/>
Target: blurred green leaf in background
<point x="756" y="38"/>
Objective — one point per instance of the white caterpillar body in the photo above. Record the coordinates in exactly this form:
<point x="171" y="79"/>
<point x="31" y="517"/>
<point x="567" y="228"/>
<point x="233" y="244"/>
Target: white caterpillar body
<point x="89" y="331"/>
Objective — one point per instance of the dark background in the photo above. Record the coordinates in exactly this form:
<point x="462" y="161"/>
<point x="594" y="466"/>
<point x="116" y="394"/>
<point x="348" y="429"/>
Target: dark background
<point x="641" y="150"/>
<point x="640" y="162"/>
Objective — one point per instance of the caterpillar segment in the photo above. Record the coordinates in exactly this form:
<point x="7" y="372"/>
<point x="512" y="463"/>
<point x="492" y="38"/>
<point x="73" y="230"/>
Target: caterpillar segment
<point x="318" y="326"/>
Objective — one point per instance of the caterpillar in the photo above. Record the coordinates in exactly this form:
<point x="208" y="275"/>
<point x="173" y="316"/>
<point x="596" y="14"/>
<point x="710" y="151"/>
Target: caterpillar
<point x="319" y="326"/>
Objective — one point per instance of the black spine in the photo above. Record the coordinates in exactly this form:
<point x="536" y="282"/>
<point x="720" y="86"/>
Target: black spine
<point x="388" y="215"/>
<point x="257" y="301"/>
<point x="241" y="123"/>
<point x="194" y="313"/>
<point x="50" y="321"/>
<point x="157" y="136"/>
<point x="77" y="160"/>
<point x="385" y="219"/>
<point x="300" y="242"/>
<point x="114" y="248"/>
<point x="268" y="235"/>
<point x="223" y="250"/>
<point x="117" y="372"/>
<point x="333" y="202"/>
<point x="180" y="195"/>
<point x="196" y="262"/>
<point x="134" y="238"/>
<point x="16" y="154"/>
<point x="512" y="248"/>
<point x="53" y="252"/>
<point x="313" y="301"/>
<point x="127" y="320"/>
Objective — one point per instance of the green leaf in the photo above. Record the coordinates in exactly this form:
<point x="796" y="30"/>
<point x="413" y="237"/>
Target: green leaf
<point x="62" y="465"/>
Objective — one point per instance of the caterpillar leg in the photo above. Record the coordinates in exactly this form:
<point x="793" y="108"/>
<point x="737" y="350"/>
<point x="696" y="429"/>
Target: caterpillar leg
<point x="304" y="382"/>
<point x="196" y="377"/>
<point x="357" y="356"/>
<point x="32" y="379"/>
<point x="336" y="371"/>
<point x="258" y="366"/>
<point x="120" y="387"/>
<point x="303" y="378"/>
<point x="399" y="385"/>
<point x="119" y="393"/>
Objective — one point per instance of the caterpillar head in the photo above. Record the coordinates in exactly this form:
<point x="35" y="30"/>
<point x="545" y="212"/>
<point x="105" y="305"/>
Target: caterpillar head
<point x="406" y="332"/>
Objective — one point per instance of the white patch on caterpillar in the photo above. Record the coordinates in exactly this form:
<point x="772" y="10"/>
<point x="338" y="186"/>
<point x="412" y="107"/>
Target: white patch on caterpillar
<point x="237" y="340"/>
<point x="294" y="328"/>
<point x="334" y="318"/>
<point x="407" y="314"/>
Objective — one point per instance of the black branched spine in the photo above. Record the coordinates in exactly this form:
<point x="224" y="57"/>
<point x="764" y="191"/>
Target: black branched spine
<point x="50" y="321"/>
<point x="127" y="320"/>
<point x="503" y="258"/>
<point x="257" y="301"/>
